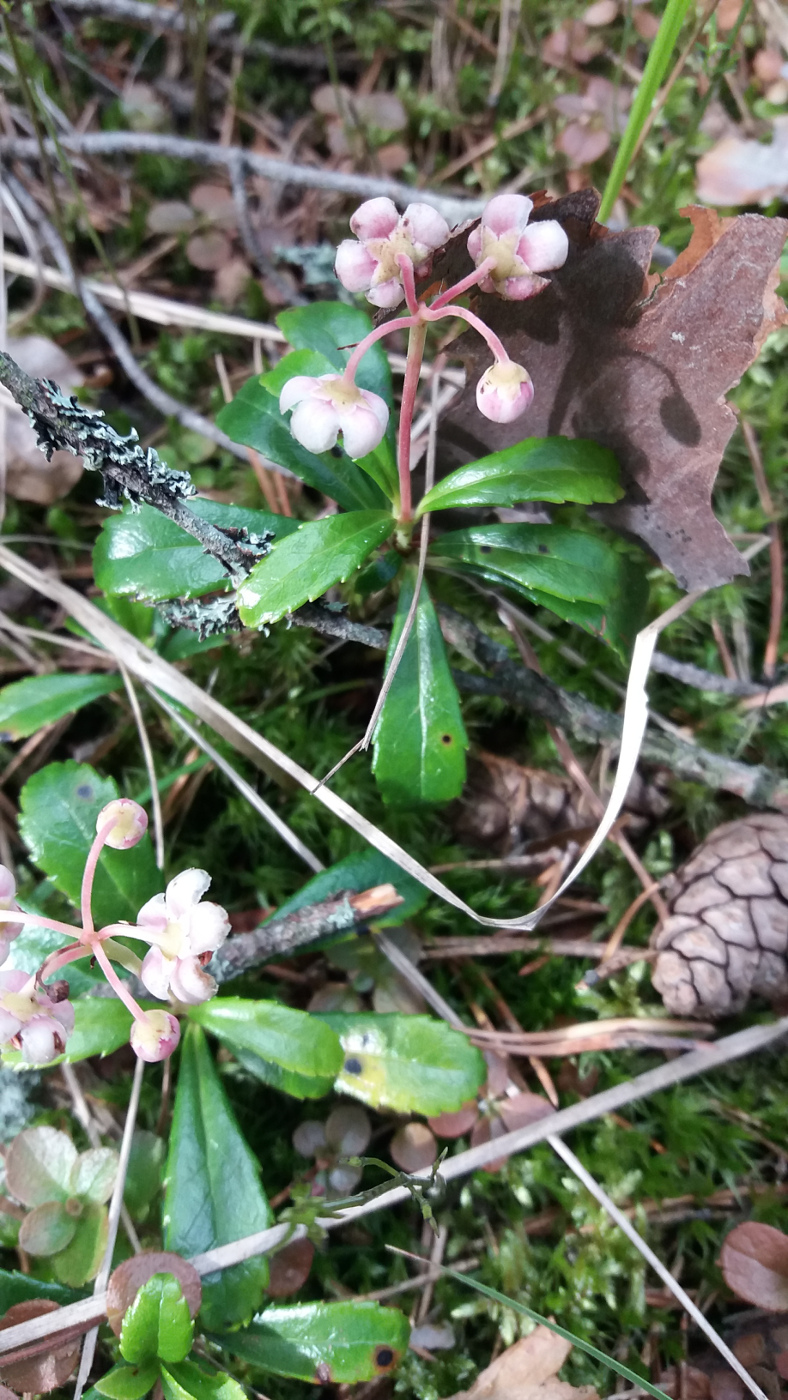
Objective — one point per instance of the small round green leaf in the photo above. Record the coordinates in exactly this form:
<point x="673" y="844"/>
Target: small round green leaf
<point x="129" y="1382"/>
<point x="93" y="1174"/>
<point x="39" y="1166"/>
<point x="47" y="1229"/>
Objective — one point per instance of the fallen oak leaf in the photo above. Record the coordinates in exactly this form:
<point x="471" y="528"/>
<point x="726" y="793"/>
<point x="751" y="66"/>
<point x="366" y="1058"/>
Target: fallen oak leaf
<point x="754" y="1263"/>
<point x="636" y="364"/>
<point x="528" y="1371"/>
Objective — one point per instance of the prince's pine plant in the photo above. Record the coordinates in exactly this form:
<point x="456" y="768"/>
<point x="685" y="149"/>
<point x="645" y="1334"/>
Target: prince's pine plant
<point x="336" y="384"/>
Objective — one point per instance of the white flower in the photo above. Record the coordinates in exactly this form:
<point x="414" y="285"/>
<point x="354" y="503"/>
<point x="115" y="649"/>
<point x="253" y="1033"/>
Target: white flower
<point x="130" y="822"/>
<point x="327" y="404"/>
<point x="31" y="1020"/>
<point x="8" y="930"/>
<point x="371" y="266"/>
<point x="183" y="933"/>
<point x="156" y="1036"/>
<point x="504" y="391"/>
<point x="520" y="250"/>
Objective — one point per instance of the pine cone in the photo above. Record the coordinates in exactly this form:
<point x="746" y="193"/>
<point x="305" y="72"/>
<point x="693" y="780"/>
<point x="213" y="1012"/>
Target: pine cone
<point x="727" y="935"/>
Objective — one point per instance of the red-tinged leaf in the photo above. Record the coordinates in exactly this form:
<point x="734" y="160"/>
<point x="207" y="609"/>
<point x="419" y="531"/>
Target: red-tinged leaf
<point x="754" y="1262"/>
<point x="46" y="1371"/>
<point x="640" y="368"/>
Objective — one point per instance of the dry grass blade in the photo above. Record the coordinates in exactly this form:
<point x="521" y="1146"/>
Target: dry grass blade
<point x="150" y="767"/>
<point x="568" y="1156"/>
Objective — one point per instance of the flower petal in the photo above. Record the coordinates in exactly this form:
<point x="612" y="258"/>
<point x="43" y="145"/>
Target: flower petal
<point x="504" y="391"/>
<point x="9" y="1025"/>
<point x="425" y="226"/>
<point x="13" y="980"/>
<point x="296" y="389"/>
<point x="154" y="913"/>
<point x="378" y="405"/>
<point x="186" y="890"/>
<point x="354" y="265"/>
<point x="506" y="212"/>
<point x="361" y="430"/>
<point x="386" y="294"/>
<point x="376" y="218"/>
<point x="208" y="927"/>
<point x="155" y="973"/>
<point x="521" y="288"/>
<point x="156" y="1037"/>
<point x="315" y="424"/>
<point x="38" y="1040"/>
<point x="544" y="246"/>
<point x="190" y="984"/>
<point x="7" y="888"/>
<point x="475" y="243"/>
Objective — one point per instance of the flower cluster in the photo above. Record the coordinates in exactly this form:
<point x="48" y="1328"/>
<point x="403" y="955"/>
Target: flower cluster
<point x="182" y="931"/>
<point x="390" y="252"/>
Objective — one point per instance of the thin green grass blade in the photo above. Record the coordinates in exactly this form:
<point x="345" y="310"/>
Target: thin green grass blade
<point x="559" y="1331"/>
<point x="654" y="72"/>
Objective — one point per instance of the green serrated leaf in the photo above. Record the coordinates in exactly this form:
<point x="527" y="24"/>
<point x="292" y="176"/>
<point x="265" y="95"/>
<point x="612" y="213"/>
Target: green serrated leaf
<point x="18" y="1288"/>
<point x="189" y="1380"/>
<point x="306" y="361"/>
<point x="253" y="418"/>
<point x="412" y="1064"/>
<point x="47" y="1229"/>
<point x="80" y="1260"/>
<point x="28" y="705"/>
<point x="332" y="329"/>
<point x="577" y="575"/>
<point x="301" y="568"/>
<point x="420" y="740"/>
<point x="142" y="554"/>
<point x="288" y="1049"/>
<point x="129" y="1382"/>
<point x="537" y="469"/>
<point x="362" y="870"/>
<point x="326" y="1343"/>
<point x="213" y="1194"/>
<point x="158" y="1323"/>
<point x="59" y="806"/>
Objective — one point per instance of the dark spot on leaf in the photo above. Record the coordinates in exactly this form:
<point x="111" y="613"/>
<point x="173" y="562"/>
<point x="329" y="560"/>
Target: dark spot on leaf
<point x="446" y="739"/>
<point x="353" y="1066"/>
<point x="543" y="549"/>
<point x="85" y="790"/>
<point x="485" y="549"/>
<point x="384" y="1357"/>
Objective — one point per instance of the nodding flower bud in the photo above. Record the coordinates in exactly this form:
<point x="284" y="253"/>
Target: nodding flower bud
<point x="32" y="1019"/>
<point x="329" y="404"/>
<point x="130" y="823"/>
<point x="8" y="931"/>
<point x="519" y="250"/>
<point x="504" y="391"/>
<point x="371" y="266"/>
<point x="183" y="933"/>
<point x="156" y="1036"/>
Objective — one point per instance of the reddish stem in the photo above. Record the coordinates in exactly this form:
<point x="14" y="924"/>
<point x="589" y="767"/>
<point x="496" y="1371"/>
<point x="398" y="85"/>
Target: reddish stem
<point x="494" y="343"/>
<point x="88" y="876"/>
<point x="408" y="283"/>
<point x="418" y="335"/>
<point x="16" y="916"/>
<point x="402" y="323"/>
<point x="116" y="983"/>
<point x="61" y="958"/>
<point x="472" y="280"/>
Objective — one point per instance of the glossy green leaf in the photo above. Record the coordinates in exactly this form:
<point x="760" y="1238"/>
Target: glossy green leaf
<point x="28" y="705"/>
<point x="144" y="1174"/>
<point x="330" y="327"/>
<point x="213" y="1194"/>
<point x="594" y="584"/>
<point x="420" y="740"/>
<point x="306" y="361"/>
<point x="59" y="806"/>
<point x="253" y="418"/>
<point x="362" y="870"/>
<point x="187" y="1379"/>
<point x="538" y="469"/>
<point x="158" y="1323"/>
<point x="288" y="1049"/>
<point x="301" y="567"/>
<point x="47" y="1229"/>
<point x="412" y="1064"/>
<point x="128" y="1382"/>
<point x="142" y="554"/>
<point x="80" y="1260"/>
<point x="101" y="1025"/>
<point x="380" y="573"/>
<point x="324" y="1343"/>
<point x="18" y="1288"/>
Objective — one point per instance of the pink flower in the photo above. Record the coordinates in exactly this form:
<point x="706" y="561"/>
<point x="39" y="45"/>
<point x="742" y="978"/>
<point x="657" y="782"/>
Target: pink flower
<point x="32" y="1019"/>
<point x="504" y="391"/>
<point x="520" y="250"/>
<point x="183" y="934"/>
<point x="131" y="823"/>
<point x="371" y="266"/>
<point x="155" y="1037"/>
<point x="328" y="404"/>
<point x="8" y="931"/>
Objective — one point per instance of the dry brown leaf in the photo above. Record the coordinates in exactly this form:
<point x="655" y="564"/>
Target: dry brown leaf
<point x="47" y="1371"/>
<point x="413" y="1147"/>
<point x="29" y="476"/>
<point x="216" y="203"/>
<point x="646" y="24"/>
<point x="638" y="367"/>
<point x="571" y="44"/>
<point x="289" y="1268"/>
<point x="528" y="1371"/>
<point x="754" y="1262"/>
<point x="231" y="280"/>
<point x="170" y="216"/>
<point x="209" y="251"/>
<point x="129" y="1277"/>
<point x="599" y="14"/>
<point x="736" y="171"/>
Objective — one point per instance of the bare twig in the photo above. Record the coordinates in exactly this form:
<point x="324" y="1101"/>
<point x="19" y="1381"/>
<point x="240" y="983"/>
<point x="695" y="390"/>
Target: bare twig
<point x="110" y="143"/>
<point x="776" y="553"/>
